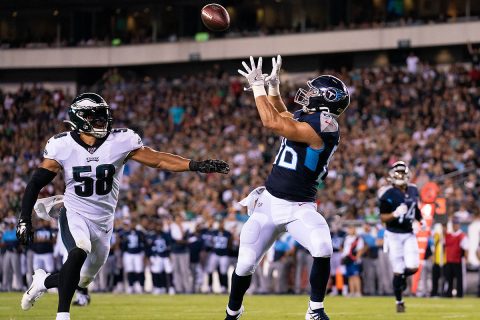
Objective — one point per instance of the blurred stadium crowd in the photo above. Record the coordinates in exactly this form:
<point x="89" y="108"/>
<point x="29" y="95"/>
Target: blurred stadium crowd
<point x="426" y="115"/>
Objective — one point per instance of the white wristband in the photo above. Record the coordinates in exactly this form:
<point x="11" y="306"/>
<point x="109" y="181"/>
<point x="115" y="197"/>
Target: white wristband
<point x="274" y="90"/>
<point x="259" y="91"/>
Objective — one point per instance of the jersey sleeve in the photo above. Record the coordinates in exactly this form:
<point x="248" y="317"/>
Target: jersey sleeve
<point x="385" y="204"/>
<point x="56" y="148"/>
<point x="323" y="123"/>
<point x="134" y="140"/>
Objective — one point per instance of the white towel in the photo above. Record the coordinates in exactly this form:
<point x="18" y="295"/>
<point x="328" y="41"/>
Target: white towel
<point x="43" y="207"/>
<point x="251" y="200"/>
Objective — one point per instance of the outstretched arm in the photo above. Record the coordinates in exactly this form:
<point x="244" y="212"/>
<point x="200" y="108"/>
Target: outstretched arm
<point x="171" y="162"/>
<point x="271" y="117"/>
<point x="42" y="176"/>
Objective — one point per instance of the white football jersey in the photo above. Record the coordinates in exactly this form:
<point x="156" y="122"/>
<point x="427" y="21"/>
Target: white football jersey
<point x="92" y="173"/>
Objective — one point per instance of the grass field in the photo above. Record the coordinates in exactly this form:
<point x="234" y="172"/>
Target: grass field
<point x="200" y="307"/>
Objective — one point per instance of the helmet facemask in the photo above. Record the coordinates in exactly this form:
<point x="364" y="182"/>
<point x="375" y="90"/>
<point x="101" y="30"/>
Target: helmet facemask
<point x="399" y="175"/>
<point x="95" y="120"/>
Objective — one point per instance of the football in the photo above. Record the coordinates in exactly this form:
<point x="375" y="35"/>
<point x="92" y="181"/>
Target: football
<point x="215" y="17"/>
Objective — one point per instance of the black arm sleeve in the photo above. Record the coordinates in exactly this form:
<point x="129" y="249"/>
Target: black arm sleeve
<point x="40" y="178"/>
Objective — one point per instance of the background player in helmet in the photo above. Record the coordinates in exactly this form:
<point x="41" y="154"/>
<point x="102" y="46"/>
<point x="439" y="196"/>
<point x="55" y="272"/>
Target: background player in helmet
<point x="92" y="157"/>
<point x="133" y="248"/>
<point x="158" y="251"/>
<point x="398" y="209"/>
<point x="220" y="260"/>
<point x="310" y="136"/>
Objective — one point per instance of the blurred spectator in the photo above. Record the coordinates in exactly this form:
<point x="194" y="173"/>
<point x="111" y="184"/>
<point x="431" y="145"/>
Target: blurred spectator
<point x="438" y="261"/>
<point x="456" y="245"/>
<point x="385" y="286"/>
<point x="180" y="256"/>
<point x="195" y="247"/>
<point x="370" y="271"/>
<point x="176" y="116"/>
<point x="426" y="276"/>
<point x="12" y="272"/>
<point x="282" y="259"/>
<point x="303" y="266"/>
<point x="352" y="253"/>
<point x="412" y="63"/>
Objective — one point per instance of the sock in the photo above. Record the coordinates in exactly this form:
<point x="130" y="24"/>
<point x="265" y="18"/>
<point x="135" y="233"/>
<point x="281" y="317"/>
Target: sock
<point x="397" y="286"/>
<point x="132" y="277"/>
<point x="51" y="281"/>
<point x="69" y="278"/>
<point x="82" y="290"/>
<point x="156" y="280"/>
<point x="169" y="280"/>
<point x="141" y="278"/>
<point x="409" y="272"/>
<point x="210" y="279"/>
<point x="240" y="285"/>
<point x="223" y="280"/>
<point x="63" y="316"/>
<point x="319" y="278"/>
<point x="316" y="305"/>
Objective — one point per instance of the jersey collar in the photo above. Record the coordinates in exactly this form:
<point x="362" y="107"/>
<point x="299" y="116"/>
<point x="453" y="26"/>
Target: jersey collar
<point x="90" y="148"/>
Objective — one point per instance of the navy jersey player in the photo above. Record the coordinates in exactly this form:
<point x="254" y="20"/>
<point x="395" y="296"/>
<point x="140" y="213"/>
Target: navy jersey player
<point x="158" y="251"/>
<point x="309" y="138"/>
<point x="133" y="248"/>
<point x="398" y="209"/>
<point x="42" y="247"/>
<point x="220" y="259"/>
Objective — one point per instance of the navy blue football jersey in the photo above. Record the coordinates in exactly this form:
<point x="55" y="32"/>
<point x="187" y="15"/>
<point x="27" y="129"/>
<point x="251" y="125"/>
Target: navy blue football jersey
<point x="159" y="244"/>
<point x="297" y="167"/>
<point x="206" y="235"/>
<point x="133" y="241"/>
<point x="390" y="198"/>
<point x="43" y="242"/>
<point x="338" y="238"/>
<point x="220" y="241"/>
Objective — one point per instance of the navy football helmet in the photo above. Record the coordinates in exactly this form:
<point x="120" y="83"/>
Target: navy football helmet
<point x="399" y="174"/>
<point x="325" y="93"/>
<point x="89" y="113"/>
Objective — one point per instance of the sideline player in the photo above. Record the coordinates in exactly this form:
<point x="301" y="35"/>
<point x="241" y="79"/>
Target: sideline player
<point x="92" y="157"/>
<point x="310" y="136"/>
<point x="398" y="209"/>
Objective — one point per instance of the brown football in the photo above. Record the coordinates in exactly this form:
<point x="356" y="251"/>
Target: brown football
<point x="215" y="17"/>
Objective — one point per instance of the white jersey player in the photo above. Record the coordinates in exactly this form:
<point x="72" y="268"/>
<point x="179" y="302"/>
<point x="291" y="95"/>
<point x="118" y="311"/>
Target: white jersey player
<point x="92" y="157"/>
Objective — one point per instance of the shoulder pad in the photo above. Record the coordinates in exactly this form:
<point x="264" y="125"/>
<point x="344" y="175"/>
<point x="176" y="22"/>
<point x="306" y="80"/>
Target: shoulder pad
<point x="328" y="123"/>
<point x="60" y="135"/>
<point x="383" y="190"/>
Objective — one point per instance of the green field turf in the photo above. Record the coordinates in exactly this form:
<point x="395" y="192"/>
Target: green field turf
<point x="200" y="307"/>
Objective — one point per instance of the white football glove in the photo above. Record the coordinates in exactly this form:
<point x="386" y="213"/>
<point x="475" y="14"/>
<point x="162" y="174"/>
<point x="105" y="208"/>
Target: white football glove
<point x="400" y="211"/>
<point x="273" y="79"/>
<point x="254" y="76"/>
